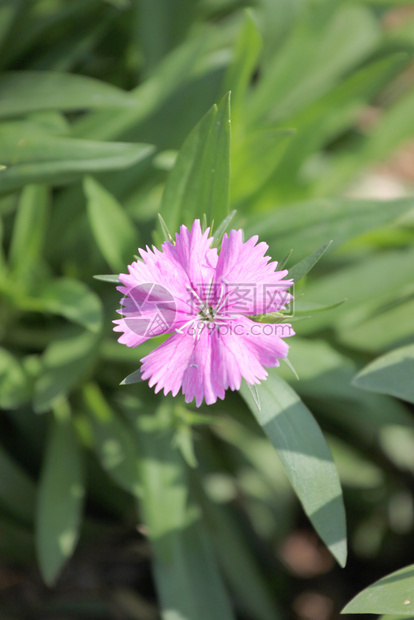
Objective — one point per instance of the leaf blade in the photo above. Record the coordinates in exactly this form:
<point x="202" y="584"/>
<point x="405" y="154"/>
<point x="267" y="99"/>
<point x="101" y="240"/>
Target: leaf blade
<point x="390" y="595"/>
<point x="306" y="458"/>
<point x="199" y="181"/>
<point x="60" y="501"/>
<point x="24" y="92"/>
<point x="301" y="269"/>
<point x="186" y="574"/>
<point x="391" y="374"/>
<point x="114" y="231"/>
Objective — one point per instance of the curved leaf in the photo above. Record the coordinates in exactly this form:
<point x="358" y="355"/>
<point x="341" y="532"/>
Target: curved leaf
<point x="29" y="155"/>
<point x="64" y="363"/>
<point x="390" y="595"/>
<point x="307" y="225"/>
<point x="199" y="181"/>
<point x="114" y="231"/>
<point x="391" y="373"/>
<point x="187" y="578"/>
<point x="71" y="299"/>
<point x="60" y="500"/>
<point x="17" y="490"/>
<point x="115" y="445"/>
<point x="15" y="386"/>
<point x="29" y="230"/>
<point x="22" y="92"/>
<point x="305" y="456"/>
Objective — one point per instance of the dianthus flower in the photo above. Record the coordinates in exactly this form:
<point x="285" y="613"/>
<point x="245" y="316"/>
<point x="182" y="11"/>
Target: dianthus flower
<point x="204" y="299"/>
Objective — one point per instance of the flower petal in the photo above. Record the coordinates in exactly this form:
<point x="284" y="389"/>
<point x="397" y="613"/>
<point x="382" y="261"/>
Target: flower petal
<point x="193" y="255"/>
<point x="253" y="286"/>
<point x="165" y="366"/>
<point x="206" y="366"/>
<point x="245" y="348"/>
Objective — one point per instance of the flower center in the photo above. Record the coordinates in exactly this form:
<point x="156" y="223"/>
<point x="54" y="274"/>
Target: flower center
<point x="206" y="314"/>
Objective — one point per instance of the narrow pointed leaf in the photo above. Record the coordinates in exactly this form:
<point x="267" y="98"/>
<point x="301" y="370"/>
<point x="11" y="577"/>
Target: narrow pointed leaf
<point x="306" y="458"/>
<point x="187" y="578"/>
<point x="114" y="231"/>
<point x="306" y="226"/>
<point x="113" y="441"/>
<point x="65" y="362"/>
<point x="299" y="271"/>
<point x="221" y="229"/>
<point x="17" y="490"/>
<point x="246" y="53"/>
<point x="29" y="155"/>
<point x="71" y="299"/>
<point x="199" y="181"/>
<point x="29" y="230"/>
<point x="113" y="278"/>
<point x="15" y="385"/>
<point x="60" y="500"/>
<point x="22" y="92"/>
<point x="392" y="594"/>
<point x="392" y="373"/>
<point x="134" y="377"/>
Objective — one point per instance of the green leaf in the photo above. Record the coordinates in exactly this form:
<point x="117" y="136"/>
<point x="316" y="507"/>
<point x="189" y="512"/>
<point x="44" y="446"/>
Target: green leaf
<point x="169" y="21"/>
<point x="134" y="377"/>
<point x="60" y="500"/>
<point x="17" y="490"/>
<point x="391" y="373"/>
<point x="222" y="228"/>
<point x="390" y="595"/>
<point x="113" y="278"/>
<point x="313" y="57"/>
<point x="64" y="363"/>
<point x="167" y="79"/>
<point x="16" y="543"/>
<point x="306" y="458"/>
<point x="282" y="263"/>
<point x="71" y="299"/>
<point x="368" y="418"/>
<point x="9" y="11"/>
<point x="188" y="582"/>
<point x="199" y="181"/>
<point x="396" y="125"/>
<point x="366" y="293"/>
<point x="308" y="225"/>
<point x="324" y="121"/>
<point x="394" y="616"/>
<point x="383" y="330"/>
<point x="31" y="156"/>
<point x="114" y="232"/>
<point x="15" y="385"/>
<point x="29" y="230"/>
<point x="255" y="395"/>
<point x="22" y="92"/>
<point x="241" y="566"/>
<point x="166" y="233"/>
<point x="113" y="440"/>
<point x="246" y="54"/>
<point x="309" y="308"/>
<point x="255" y="157"/>
<point x="300" y="270"/>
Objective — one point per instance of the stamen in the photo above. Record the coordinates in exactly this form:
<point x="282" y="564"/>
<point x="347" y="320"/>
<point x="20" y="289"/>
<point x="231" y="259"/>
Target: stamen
<point x="223" y="301"/>
<point x="180" y="329"/>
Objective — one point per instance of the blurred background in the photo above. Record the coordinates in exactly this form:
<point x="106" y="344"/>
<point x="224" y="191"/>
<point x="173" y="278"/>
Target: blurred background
<point x="322" y="147"/>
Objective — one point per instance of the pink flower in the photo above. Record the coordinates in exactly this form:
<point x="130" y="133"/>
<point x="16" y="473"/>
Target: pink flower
<point x="204" y="300"/>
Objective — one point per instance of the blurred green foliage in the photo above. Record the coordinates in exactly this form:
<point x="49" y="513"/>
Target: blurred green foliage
<point x="104" y="104"/>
